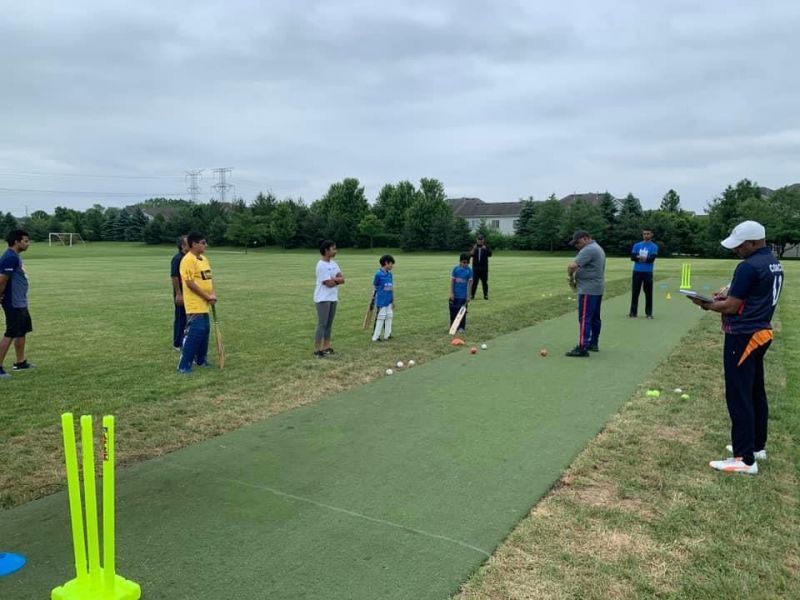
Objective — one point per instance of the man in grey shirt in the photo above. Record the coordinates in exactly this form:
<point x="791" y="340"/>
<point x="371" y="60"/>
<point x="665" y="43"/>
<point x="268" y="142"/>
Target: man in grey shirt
<point x="587" y="276"/>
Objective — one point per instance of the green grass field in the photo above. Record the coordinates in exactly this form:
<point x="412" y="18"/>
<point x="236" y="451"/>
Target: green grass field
<point x="103" y="316"/>
<point x="103" y="321"/>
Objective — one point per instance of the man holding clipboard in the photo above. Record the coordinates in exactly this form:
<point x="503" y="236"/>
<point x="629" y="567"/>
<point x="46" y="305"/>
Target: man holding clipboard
<point x="747" y="307"/>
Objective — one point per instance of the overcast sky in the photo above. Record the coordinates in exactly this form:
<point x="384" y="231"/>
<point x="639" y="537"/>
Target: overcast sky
<point x="111" y="102"/>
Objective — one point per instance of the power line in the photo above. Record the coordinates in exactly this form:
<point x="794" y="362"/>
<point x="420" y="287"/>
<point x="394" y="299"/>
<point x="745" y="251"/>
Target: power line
<point x="41" y="174"/>
<point x="92" y="193"/>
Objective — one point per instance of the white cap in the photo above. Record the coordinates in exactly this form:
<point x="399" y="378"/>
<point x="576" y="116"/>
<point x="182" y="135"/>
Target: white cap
<point x="744" y="232"/>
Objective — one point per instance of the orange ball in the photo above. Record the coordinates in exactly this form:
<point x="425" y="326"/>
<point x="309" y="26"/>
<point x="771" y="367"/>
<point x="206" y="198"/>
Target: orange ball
<point x="473" y="350"/>
<point x="543" y="352"/>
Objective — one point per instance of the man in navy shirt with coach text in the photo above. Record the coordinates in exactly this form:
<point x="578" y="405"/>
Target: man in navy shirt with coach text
<point x="747" y="307"/>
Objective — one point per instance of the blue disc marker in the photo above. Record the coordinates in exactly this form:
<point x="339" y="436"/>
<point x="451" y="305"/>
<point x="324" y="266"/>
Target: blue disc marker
<point x="10" y="562"/>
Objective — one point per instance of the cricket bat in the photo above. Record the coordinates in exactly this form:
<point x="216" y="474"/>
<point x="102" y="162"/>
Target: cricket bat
<point x="370" y="310"/>
<point x="457" y="321"/>
<point x="218" y="338"/>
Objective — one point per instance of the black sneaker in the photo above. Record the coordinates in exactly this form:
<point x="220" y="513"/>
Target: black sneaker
<point x="578" y="351"/>
<point x="593" y="348"/>
<point x="631" y="316"/>
<point x="329" y="351"/>
<point x="3" y="374"/>
<point x="319" y="354"/>
<point x="649" y="316"/>
<point x="22" y="366"/>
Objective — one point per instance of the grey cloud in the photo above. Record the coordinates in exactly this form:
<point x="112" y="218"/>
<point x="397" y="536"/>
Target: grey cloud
<point x="499" y="100"/>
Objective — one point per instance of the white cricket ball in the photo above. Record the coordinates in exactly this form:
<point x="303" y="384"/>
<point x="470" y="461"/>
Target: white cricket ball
<point x="678" y="391"/>
<point x="389" y="371"/>
<point x="411" y="363"/>
<point x="484" y="346"/>
<point x="400" y="364"/>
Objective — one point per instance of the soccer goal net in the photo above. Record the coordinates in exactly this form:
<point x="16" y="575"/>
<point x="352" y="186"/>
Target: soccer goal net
<point x="64" y="239"/>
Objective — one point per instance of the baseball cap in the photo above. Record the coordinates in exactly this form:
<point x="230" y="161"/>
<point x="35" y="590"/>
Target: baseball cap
<point x="744" y="232"/>
<point x="578" y="235"/>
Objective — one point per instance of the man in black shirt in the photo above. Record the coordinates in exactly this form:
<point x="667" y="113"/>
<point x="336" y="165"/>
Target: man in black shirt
<point x="480" y="267"/>
<point x="179" y="323"/>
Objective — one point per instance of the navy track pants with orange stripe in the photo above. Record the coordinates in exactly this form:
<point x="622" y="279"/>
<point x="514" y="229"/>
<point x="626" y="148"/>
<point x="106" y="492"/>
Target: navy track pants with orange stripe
<point x="745" y="395"/>
<point x="589" y="320"/>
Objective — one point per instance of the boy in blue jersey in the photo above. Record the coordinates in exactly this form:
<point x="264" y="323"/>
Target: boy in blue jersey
<point x="383" y="282"/>
<point x="747" y="307"/>
<point x="460" y="285"/>
<point x="643" y="255"/>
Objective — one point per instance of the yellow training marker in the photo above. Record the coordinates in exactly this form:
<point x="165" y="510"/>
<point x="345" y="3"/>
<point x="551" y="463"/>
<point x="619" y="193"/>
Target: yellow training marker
<point x="92" y="581"/>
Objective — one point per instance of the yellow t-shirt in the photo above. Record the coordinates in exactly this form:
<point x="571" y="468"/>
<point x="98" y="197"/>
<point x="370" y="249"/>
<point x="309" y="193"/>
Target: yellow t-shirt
<point x="197" y="269"/>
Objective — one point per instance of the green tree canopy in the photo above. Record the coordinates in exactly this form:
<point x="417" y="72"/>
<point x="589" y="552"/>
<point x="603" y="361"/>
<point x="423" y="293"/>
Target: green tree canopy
<point x="341" y="209"/>
<point x="547" y="225"/>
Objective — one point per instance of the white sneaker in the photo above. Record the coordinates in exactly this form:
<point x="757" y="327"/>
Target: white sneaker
<point x="734" y="465"/>
<point x="758" y="454"/>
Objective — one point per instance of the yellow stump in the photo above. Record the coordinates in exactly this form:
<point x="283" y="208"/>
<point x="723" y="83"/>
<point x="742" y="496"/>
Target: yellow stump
<point x="686" y="276"/>
<point x="95" y="582"/>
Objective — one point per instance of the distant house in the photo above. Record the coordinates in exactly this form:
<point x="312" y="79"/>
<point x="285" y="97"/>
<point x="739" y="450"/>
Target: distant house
<point x="503" y="216"/>
<point x="499" y="216"/>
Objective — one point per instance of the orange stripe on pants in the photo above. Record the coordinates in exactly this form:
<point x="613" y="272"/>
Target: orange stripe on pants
<point x="758" y="339"/>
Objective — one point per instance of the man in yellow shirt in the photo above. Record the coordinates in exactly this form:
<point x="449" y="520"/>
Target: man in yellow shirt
<point x="198" y="295"/>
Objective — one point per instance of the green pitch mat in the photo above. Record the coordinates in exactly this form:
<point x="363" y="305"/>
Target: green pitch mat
<point x="397" y="489"/>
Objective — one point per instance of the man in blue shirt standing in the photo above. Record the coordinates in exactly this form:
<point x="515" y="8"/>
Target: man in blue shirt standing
<point x="14" y="294"/>
<point x="643" y="255"/>
<point x="747" y="306"/>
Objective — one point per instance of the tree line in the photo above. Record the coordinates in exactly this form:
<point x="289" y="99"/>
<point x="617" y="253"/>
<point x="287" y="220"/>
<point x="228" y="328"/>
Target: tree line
<point x="420" y="218"/>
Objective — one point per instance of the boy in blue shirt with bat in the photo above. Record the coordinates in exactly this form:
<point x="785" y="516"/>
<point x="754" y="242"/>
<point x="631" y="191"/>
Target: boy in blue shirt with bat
<point x="383" y="282"/>
<point x="460" y="283"/>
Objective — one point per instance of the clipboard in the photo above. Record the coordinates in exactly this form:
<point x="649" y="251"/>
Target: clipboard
<point x="691" y="294"/>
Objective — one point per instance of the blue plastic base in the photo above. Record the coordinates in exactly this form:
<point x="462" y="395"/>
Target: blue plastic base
<point x="10" y="562"/>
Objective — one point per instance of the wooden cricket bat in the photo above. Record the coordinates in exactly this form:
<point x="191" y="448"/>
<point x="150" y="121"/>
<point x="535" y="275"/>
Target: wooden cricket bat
<point x="370" y="310"/>
<point x="457" y="321"/>
<point x="218" y="338"/>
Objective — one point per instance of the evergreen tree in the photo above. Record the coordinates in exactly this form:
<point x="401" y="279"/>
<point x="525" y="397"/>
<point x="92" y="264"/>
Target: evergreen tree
<point x="671" y="202"/>
<point x="547" y="225"/>
<point x="524" y="228"/>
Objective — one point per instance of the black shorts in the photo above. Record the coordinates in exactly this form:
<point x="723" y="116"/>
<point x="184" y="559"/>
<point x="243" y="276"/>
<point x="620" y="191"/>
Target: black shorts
<point x="18" y="322"/>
